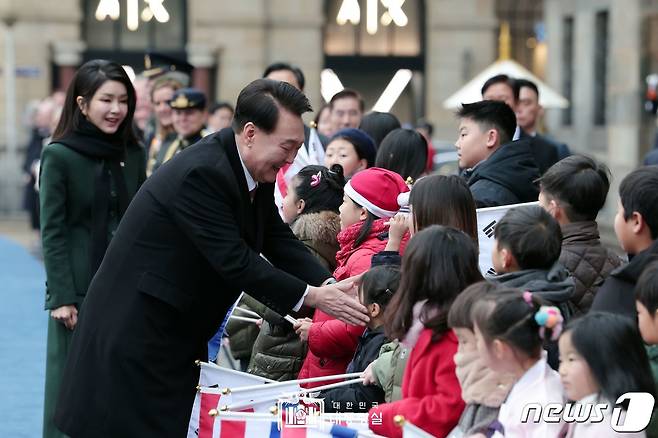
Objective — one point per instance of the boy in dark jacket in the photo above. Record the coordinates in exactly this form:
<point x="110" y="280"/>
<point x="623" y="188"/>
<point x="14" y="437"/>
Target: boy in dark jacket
<point x="573" y="191"/>
<point x="526" y="253"/>
<point x="525" y="256"/>
<point x="377" y="288"/>
<point x="636" y="227"/>
<point x="499" y="171"/>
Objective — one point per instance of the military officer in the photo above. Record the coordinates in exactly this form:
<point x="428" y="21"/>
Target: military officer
<point x="189" y="116"/>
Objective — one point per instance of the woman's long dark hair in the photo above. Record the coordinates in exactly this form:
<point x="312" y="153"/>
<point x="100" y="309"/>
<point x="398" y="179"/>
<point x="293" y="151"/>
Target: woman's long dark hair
<point x="612" y="347"/>
<point x="444" y="200"/>
<point x="403" y="151"/>
<point x="438" y="264"/>
<point x="378" y="125"/>
<point x="87" y="80"/>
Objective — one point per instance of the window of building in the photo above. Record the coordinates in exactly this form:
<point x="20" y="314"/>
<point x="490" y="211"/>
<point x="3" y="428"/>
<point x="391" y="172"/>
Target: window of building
<point x="114" y="35"/>
<point x="525" y="18"/>
<point x="369" y="29"/>
<point x="567" y="68"/>
<point x="600" y="67"/>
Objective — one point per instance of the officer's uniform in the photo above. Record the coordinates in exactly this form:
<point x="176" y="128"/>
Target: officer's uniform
<point x="185" y="98"/>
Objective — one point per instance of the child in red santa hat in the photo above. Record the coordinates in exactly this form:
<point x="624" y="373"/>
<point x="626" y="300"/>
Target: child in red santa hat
<point x="371" y="198"/>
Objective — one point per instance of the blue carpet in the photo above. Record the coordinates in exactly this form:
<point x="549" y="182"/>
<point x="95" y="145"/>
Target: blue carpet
<point x="22" y="342"/>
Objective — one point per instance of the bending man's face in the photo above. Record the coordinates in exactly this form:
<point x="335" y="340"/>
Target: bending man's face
<point x="266" y="153"/>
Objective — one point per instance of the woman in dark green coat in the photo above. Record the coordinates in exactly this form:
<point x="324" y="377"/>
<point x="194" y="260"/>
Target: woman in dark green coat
<point x="89" y="174"/>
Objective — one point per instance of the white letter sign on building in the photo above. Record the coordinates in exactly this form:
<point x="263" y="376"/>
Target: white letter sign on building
<point x="350" y="11"/>
<point x="153" y="8"/>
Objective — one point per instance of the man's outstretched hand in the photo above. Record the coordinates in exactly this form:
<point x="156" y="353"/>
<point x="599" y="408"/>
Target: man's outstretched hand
<point x="339" y="300"/>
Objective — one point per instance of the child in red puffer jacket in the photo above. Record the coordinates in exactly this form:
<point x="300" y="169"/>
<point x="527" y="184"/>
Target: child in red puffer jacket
<point x="370" y="200"/>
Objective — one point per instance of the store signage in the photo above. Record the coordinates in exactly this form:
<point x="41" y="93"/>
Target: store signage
<point x="350" y="11"/>
<point x="152" y="8"/>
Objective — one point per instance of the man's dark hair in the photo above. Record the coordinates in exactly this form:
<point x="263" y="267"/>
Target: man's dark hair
<point x="277" y="66"/>
<point x="491" y="114"/>
<point x="259" y="103"/>
<point x="220" y="105"/>
<point x="520" y="83"/>
<point x="501" y="79"/>
<point x="639" y="192"/>
<point x="348" y="92"/>
<point x="532" y="235"/>
<point x="646" y="289"/>
<point x="580" y="184"/>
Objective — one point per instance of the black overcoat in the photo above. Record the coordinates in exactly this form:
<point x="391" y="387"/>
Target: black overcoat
<point x="187" y="245"/>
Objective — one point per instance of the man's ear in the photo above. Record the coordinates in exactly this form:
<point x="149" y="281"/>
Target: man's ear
<point x="248" y="133"/>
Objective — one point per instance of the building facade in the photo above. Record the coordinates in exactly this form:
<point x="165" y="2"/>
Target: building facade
<point x="443" y="42"/>
<point x="600" y="52"/>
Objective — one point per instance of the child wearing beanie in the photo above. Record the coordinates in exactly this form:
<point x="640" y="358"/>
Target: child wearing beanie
<point x="351" y="148"/>
<point x="370" y="200"/>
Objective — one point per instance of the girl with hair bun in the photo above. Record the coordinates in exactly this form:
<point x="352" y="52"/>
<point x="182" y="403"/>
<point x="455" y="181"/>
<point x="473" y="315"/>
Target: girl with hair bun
<point x="510" y="329"/>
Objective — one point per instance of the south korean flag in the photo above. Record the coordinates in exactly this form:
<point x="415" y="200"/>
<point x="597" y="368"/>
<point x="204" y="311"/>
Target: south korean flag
<point x="487" y="220"/>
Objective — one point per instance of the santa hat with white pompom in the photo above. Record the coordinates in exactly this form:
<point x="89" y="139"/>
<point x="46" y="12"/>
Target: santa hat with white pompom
<point x="380" y="191"/>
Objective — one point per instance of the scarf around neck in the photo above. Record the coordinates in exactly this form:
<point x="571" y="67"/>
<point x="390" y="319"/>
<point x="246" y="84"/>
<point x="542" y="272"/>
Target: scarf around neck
<point x="347" y="237"/>
<point x="110" y="151"/>
<point x="480" y="384"/>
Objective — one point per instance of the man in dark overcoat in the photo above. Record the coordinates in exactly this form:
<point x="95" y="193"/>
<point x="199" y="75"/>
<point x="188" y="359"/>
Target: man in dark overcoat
<point x="186" y="247"/>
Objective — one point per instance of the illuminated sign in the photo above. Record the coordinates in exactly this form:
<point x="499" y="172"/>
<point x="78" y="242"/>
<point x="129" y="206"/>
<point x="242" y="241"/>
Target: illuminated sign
<point x="350" y="11"/>
<point x="152" y="8"/>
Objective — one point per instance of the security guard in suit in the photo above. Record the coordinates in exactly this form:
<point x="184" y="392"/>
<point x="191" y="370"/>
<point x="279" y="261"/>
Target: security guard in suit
<point x="189" y="117"/>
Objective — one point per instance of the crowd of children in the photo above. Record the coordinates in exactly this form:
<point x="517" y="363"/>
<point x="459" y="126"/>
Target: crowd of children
<point x="563" y="320"/>
<point x="462" y="355"/>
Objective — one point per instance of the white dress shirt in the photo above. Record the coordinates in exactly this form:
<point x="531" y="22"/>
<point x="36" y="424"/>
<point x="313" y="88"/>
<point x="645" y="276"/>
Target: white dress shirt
<point x="252" y="185"/>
